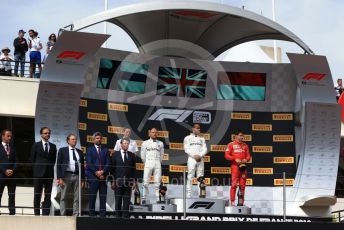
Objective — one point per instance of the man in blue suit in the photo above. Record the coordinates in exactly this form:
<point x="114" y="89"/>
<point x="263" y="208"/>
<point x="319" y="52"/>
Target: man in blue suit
<point x="67" y="167"/>
<point x="8" y="166"/>
<point x="97" y="169"/>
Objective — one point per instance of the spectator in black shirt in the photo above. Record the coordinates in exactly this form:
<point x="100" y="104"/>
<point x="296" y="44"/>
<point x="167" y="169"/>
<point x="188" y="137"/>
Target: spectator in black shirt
<point x="20" y="48"/>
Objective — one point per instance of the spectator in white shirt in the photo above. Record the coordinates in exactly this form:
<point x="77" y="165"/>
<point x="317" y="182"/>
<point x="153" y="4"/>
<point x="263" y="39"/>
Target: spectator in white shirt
<point x="35" y="46"/>
<point x="6" y="62"/>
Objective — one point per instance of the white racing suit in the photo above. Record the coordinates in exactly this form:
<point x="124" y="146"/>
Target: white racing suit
<point x="194" y="145"/>
<point x="151" y="154"/>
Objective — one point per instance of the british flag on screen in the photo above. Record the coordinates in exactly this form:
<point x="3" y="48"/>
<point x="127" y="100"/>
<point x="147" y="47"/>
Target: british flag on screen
<point x="181" y="82"/>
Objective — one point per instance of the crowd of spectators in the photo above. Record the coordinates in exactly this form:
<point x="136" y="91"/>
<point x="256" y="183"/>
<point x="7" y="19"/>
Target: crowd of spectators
<point x="22" y="45"/>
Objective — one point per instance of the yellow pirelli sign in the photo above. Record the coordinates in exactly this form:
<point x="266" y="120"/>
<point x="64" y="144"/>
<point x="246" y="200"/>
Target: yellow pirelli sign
<point x="90" y="139"/>
<point x="139" y="143"/>
<point x="249" y="181"/>
<point x="246" y="137"/>
<point x="118" y="107"/>
<point x="261" y="127"/>
<point x="164" y="179"/>
<point x="218" y="148"/>
<point x="206" y="159"/>
<point x="283" y="160"/>
<point x="82" y="126"/>
<point x="283" y="138"/>
<point x="163" y="134"/>
<point x="262" y="149"/>
<point x="206" y="181"/>
<point x="140" y="166"/>
<point x="241" y="116"/>
<point x="178" y="168"/>
<point x="97" y="116"/>
<point x="83" y="103"/>
<point x="177" y="146"/>
<point x="220" y="170"/>
<point x="206" y="136"/>
<point x="282" y="116"/>
<point x="83" y="149"/>
<point x="279" y="182"/>
<point x="263" y="171"/>
<point x="115" y="129"/>
<point x="166" y="157"/>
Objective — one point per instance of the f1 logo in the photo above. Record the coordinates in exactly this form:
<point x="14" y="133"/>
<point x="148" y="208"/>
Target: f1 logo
<point x="178" y="115"/>
<point x="71" y="54"/>
<point x="314" y="76"/>
<point x="205" y="205"/>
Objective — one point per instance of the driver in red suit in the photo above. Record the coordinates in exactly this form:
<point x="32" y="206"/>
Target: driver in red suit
<point x="238" y="153"/>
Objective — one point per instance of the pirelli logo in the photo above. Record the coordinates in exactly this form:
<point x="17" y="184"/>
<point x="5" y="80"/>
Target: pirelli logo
<point x="90" y="139"/>
<point x="249" y="181"/>
<point x="206" y="159"/>
<point x="261" y="127"/>
<point x="139" y="143"/>
<point x="263" y="171"/>
<point x="114" y="129"/>
<point x="83" y="149"/>
<point x="241" y="116"/>
<point x="206" y="136"/>
<point x="166" y="157"/>
<point x="82" y="126"/>
<point x="279" y="182"/>
<point x="206" y="181"/>
<point x="118" y="107"/>
<point x="164" y="179"/>
<point x="83" y="103"/>
<point x="220" y="170"/>
<point x="246" y="137"/>
<point x="283" y="138"/>
<point x="262" y="149"/>
<point x="283" y="160"/>
<point x="163" y="134"/>
<point x="218" y="148"/>
<point x="282" y="116"/>
<point x="177" y="146"/>
<point x="97" y="116"/>
<point x="140" y="166"/>
<point x="178" y="168"/>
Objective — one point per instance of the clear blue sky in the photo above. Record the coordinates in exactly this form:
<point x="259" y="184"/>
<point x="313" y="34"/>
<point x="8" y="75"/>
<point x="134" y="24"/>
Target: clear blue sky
<point x="319" y="23"/>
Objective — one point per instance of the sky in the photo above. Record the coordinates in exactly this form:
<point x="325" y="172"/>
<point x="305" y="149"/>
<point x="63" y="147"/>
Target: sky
<point x="319" y="23"/>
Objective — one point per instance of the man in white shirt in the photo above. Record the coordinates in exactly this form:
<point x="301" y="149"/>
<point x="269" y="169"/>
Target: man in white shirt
<point x="132" y="144"/>
<point x="67" y="166"/>
<point x="196" y="148"/>
<point x="35" y="46"/>
<point x="152" y="152"/>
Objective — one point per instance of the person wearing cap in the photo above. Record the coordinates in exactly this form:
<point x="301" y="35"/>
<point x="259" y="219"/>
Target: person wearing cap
<point x="20" y="48"/>
<point x="5" y="62"/>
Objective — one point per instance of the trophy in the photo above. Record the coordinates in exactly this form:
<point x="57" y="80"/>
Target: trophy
<point x="162" y="193"/>
<point x="202" y="190"/>
<point x="137" y="196"/>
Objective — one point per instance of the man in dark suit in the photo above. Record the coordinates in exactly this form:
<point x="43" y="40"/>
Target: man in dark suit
<point x="67" y="165"/>
<point x="97" y="169"/>
<point x="8" y="166"/>
<point x="123" y="166"/>
<point x="43" y="157"/>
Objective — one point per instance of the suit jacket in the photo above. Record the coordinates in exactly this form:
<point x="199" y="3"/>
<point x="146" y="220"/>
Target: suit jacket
<point x="43" y="164"/>
<point x="7" y="162"/>
<point x="92" y="162"/>
<point x="63" y="162"/>
<point x="123" y="173"/>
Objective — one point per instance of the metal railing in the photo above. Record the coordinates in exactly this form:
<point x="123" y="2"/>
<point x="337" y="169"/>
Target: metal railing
<point x="27" y="74"/>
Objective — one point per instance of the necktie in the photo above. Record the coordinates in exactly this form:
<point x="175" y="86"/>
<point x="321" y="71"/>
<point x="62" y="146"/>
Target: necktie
<point x="7" y="150"/>
<point x="99" y="158"/>
<point x="75" y="161"/>
<point x="125" y="158"/>
<point x="46" y="147"/>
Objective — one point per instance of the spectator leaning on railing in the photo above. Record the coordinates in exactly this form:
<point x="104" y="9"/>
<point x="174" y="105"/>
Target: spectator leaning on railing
<point x="20" y="48"/>
<point x="5" y="64"/>
<point x="50" y="45"/>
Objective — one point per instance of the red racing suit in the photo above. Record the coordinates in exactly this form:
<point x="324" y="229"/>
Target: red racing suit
<point x="237" y="150"/>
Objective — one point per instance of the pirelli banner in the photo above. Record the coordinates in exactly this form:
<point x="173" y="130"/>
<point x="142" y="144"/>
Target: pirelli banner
<point x="270" y="137"/>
